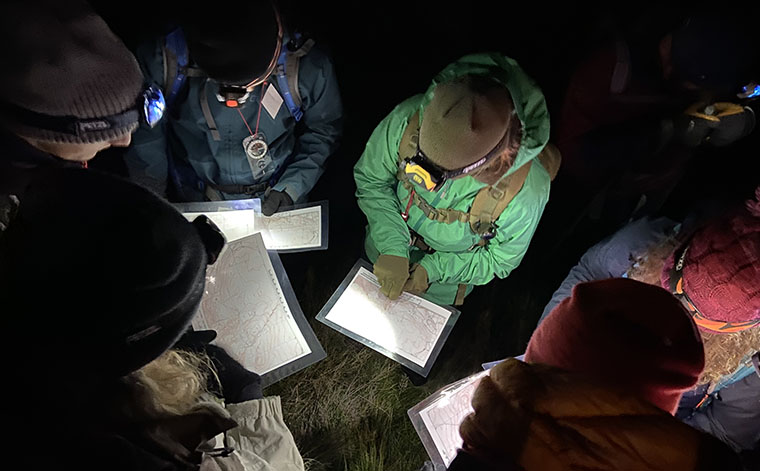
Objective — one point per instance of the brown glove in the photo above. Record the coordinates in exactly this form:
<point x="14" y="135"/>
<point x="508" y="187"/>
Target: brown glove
<point x="418" y="280"/>
<point x="392" y="272"/>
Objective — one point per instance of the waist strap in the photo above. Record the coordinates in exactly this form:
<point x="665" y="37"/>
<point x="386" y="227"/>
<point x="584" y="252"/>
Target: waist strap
<point x="241" y="189"/>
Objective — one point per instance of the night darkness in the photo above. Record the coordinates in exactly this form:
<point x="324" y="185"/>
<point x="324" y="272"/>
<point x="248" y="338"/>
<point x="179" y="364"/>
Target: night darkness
<point x="385" y="52"/>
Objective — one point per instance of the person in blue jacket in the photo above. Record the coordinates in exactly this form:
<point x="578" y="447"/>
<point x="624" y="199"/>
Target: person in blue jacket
<point x="252" y="111"/>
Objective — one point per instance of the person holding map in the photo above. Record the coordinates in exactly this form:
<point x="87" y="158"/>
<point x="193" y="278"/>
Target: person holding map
<point x="534" y="417"/>
<point x="451" y="182"/>
<point x="711" y="261"/>
<point x="597" y="390"/>
<point x="253" y="108"/>
<point x="96" y="292"/>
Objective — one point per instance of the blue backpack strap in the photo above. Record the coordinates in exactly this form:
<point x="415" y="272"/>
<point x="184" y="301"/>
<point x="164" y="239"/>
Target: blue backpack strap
<point x="287" y="76"/>
<point x="176" y="60"/>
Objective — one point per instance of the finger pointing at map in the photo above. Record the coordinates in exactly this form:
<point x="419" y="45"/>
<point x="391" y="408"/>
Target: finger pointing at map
<point x="392" y="272"/>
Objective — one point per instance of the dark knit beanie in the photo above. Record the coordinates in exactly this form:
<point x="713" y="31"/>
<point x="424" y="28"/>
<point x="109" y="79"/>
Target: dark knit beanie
<point x="717" y="53"/>
<point x="721" y="271"/>
<point x="465" y="120"/>
<point x="60" y="59"/>
<point x="98" y="271"/>
<point x="630" y="334"/>
<point x="235" y="47"/>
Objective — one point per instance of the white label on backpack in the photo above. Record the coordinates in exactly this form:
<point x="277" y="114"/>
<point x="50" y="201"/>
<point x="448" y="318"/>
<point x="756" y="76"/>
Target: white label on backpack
<point x="272" y="101"/>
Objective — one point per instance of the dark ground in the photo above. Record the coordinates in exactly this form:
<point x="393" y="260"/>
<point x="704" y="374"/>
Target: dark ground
<point x="386" y="52"/>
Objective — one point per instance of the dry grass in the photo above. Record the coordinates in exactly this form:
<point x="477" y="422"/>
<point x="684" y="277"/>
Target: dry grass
<point x="348" y="411"/>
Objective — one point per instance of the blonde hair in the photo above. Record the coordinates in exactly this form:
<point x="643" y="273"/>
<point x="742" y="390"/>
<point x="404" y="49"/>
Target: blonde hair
<point x="723" y="352"/>
<point x="172" y="384"/>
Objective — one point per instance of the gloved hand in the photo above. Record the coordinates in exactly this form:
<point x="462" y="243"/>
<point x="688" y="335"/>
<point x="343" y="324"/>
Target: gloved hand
<point x="692" y="126"/>
<point x="719" y="124"/>
<point x="237" y="383"/>
<point x="274" y="200"/>
<point x="735" y="122"/>
<point x="418" y="280"/>
<point x="392" y="272"/>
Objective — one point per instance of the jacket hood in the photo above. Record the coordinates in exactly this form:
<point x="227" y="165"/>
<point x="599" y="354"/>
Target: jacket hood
<point x="528" y="99"/>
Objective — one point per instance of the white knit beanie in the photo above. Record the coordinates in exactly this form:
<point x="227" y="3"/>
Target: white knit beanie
<point x="60" y="59"/>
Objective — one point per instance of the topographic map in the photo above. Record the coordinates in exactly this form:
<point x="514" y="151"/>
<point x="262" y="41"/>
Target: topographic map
<point x="409" y="326"/>
<point x="295" y="229"/>
<point x="288" y="230"/>
<point x="244" y="303"/>
<point x="234" y="224"/>
<point x="443" y="412"/>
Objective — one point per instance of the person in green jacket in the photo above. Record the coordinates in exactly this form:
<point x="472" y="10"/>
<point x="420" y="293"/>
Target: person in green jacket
<point x="255" y="111"/>
<point x="480" y="126"/>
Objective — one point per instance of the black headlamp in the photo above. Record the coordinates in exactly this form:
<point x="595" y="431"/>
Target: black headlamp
<point x="148" y="109"/>
<point x="235" y="96"/>
<point x="422" y="171"/>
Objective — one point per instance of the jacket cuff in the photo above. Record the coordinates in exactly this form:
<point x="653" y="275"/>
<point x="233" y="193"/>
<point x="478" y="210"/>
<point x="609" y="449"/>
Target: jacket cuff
<point x="290" y="189"/>
<point x="434" y="276"/>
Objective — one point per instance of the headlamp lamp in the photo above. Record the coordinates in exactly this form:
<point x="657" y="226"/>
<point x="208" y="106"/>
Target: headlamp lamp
<point x="235" y="96"/>
<point x="148" y="109"/>
<point x="420" y="169"/>
<point x="749" y="91"/>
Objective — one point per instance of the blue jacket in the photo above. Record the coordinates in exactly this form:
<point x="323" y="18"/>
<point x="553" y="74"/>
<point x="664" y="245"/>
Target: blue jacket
<point x="733" y="412"/>
<point x="184" y="132"/>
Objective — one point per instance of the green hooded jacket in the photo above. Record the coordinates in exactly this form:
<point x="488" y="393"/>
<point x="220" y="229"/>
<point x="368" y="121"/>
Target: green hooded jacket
<point x="382" y="197"/>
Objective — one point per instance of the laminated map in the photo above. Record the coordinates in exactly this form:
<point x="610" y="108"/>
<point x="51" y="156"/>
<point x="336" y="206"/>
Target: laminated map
<point x="292" y="230"/>
<point x="256" y="318"/>
<point x="295" y="229"/>
<point x="234" y="224"/>
<point x="410" y="329"/>
<point x="437" y="418"/>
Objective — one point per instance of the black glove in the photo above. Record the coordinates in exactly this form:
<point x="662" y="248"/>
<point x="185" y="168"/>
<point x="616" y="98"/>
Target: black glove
<point x="719" y="124"/>
<point x="691" y="130"/>
<point x="275" y="200"/>
<point x="237" y="383"/>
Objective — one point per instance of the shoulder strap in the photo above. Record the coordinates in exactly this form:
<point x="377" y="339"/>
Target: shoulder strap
<point x="550" y="159"/>
<point x="176" y="59"/>
<point x="287" y="76"/>
<point x="491" y="201"/>
<point x="292" y="61"/>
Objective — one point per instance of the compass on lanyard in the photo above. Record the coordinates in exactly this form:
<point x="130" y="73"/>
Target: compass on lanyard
<point x="256" y="146"/>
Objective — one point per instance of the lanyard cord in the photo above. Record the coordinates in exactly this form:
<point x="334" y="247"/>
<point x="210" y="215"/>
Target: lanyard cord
<point x="405" y="214"/>
<point x="258" y="116"/>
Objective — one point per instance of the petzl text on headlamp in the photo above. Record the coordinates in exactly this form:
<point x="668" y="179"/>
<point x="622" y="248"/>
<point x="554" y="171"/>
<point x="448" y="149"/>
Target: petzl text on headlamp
<point x="420" y="169"/>
<point x="148" y="109"/>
